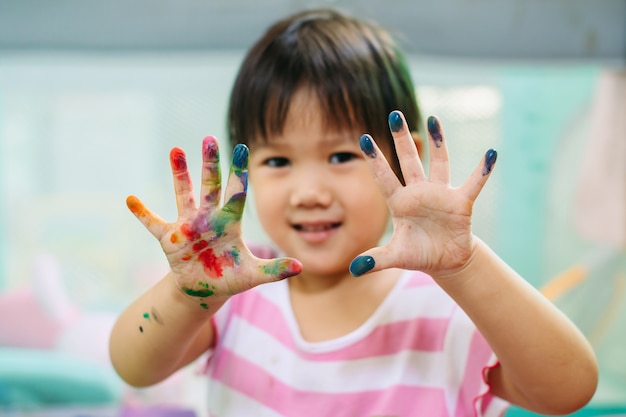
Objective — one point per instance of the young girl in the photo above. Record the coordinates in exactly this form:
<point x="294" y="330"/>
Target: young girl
<point x="433" y="323"/>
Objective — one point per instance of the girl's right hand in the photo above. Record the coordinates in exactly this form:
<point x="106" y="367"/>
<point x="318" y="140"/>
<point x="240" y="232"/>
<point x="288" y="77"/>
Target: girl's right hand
<point x="204" y="247"/>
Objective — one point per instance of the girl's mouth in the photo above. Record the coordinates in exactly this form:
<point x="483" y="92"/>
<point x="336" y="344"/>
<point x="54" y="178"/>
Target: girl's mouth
<point x="316" y="227"/>
<point x="317" y="232"/>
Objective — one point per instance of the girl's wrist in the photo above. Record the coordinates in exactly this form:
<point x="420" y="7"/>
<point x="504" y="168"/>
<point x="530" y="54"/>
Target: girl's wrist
<point x="464" y="269"/>
<point x="194" y="303"/>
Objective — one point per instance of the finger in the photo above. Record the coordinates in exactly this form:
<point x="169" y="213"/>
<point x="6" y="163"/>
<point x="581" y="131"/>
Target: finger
<point x="229" y="215"/>
<point x="382" y="172"/>
<point x="183" y="187"/>
<point x="474" y="184"/>
<point x="238" y="177"/>
<point x="211" y="188"/>
<point x="439" y="159"/>
<point x="410" y="164"/>
<point x="236" y="191"/>
<point x="280" y="268"/>
<point x="152" y="222"/>
<point x="375" y="259"/>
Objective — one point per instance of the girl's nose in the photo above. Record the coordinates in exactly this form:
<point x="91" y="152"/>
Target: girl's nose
<point x="310" y="190"/>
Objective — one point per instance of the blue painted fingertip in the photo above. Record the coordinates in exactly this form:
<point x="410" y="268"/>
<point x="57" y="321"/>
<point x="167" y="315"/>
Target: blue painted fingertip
<point x="395" y="121"/>
<point x="490" y="159"/>
<point x="367" y="146"/>
<point x="434" y="128"/>
<point x="240" y="156"/>
<point x="361" y="264"/>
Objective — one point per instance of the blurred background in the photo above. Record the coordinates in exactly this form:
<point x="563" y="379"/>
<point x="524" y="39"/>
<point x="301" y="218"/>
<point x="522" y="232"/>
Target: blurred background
<point x="94" y="94"/>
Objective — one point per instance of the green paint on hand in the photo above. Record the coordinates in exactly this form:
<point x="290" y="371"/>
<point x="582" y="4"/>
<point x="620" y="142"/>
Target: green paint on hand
<point x="198" y="293"/>
<point x="230" y="213"/>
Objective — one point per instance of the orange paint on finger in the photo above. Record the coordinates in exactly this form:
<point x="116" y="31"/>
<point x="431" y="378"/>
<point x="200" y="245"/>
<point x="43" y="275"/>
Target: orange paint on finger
<point x="136" y="206"/>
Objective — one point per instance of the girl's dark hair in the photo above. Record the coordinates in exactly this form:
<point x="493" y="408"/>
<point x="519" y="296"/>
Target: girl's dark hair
<point x="354" y="67"/>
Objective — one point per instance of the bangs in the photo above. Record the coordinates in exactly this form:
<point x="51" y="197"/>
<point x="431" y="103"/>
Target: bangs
<point x="352" y="69"/>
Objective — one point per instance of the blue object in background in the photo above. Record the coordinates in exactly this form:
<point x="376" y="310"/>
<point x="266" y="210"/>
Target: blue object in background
<point x="33" y="378"/>
<point x="585" y="412"/>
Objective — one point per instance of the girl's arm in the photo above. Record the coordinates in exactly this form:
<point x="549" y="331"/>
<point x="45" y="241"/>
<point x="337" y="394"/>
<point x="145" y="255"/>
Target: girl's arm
<point x="159" y="333"/>
<point x="546" y="365"/>
<point x="169" y="326"/>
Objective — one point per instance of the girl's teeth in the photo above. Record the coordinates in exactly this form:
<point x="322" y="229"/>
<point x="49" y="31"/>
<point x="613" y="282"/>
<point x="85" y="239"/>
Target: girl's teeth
<point x="315" y="228"/>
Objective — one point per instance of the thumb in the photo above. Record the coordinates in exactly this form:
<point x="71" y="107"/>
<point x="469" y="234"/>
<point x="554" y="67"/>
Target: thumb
<point x="370" y="261"/>
<point x="280" y="268"/>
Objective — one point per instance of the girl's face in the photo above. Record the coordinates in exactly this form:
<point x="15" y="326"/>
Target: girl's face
<point x="314" y="193"/>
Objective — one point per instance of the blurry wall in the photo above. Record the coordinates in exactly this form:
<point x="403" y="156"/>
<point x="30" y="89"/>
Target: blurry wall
<point x="79" y="132"/>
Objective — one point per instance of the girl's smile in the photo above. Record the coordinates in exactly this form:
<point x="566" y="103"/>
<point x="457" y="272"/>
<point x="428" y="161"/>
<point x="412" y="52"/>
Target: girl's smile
<point x="315" y="232"/>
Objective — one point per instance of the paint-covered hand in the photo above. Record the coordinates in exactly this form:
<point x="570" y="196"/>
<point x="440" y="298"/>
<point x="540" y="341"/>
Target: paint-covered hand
<point x="204" y="246"/>
<point x="431" y="219"/>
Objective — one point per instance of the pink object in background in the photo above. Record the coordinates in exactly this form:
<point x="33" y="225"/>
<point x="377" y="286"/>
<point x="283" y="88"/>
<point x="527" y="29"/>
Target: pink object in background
<point x="23" y="323"/>
<point x="35" y="317"/>
<point x="600" y="212"/>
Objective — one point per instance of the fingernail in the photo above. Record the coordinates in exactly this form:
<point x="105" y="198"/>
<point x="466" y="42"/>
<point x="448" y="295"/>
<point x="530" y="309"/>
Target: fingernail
<point x="367" y="146"/>
<point x="210" y="148"/>
<point x="434" y="128"/>
<point x="361" y="265"/>
<point x="135" y="206"/>
<point x="395" y="121"/>
<point x="179" y="162"/>
<point x="490" y="159"/>
<point x="240" y="156"/>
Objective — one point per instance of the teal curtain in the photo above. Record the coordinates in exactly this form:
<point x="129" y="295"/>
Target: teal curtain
<point x="538" y="104"/>
<point x="3" y="202"/>
<point x="545" y="123"/>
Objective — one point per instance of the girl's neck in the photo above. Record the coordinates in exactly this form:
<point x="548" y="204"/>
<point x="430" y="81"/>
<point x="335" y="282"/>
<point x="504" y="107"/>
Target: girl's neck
<point x="314" y="284"/>
<point x="328" y="309"/>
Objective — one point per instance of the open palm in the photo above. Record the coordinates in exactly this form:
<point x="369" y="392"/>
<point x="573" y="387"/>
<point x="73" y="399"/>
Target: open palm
<point x="431" y="219"/>
<point x="204" y="247"/>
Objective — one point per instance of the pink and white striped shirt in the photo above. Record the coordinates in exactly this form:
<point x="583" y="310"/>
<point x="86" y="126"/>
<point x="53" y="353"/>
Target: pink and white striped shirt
<point x="417" y="355"/>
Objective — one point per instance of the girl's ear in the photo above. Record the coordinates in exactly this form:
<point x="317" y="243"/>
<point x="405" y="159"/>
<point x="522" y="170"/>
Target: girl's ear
<point x="419" y="143"/>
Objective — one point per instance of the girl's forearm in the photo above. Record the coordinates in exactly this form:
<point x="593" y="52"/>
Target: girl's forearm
<point x="159" y="333"/>
<point x="546" y="363"/>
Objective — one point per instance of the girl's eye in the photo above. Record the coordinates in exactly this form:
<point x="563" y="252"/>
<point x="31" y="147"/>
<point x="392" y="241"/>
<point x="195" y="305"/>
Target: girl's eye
<point x="276" y="162"/>
<point x="342" y="157"/>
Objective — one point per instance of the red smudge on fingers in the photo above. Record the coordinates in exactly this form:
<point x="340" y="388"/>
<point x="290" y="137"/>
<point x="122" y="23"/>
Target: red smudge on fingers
<point x="178" y="159"/>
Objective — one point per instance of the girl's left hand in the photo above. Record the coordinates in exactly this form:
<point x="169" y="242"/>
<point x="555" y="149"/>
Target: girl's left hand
<point x="431" y="219"/>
